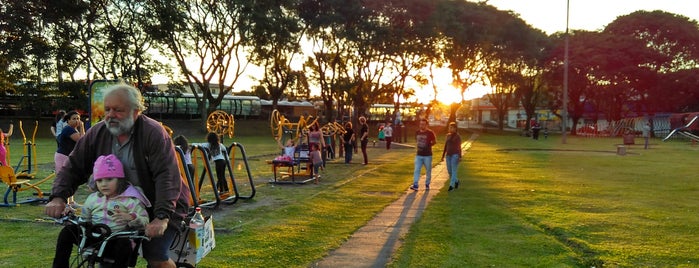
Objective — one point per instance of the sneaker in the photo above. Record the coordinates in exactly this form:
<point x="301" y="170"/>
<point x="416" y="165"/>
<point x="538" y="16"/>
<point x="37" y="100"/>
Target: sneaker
<point x="427" y="186"/>
<point x="451" y="188"/>
<point x="413" y="187"/>
<point x="457" y="185"/>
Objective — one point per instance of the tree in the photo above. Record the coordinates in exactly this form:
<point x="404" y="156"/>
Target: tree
<point x="517" y="51"/>
<point x="671" y="46"/>
<point x="326" y="66"/>
<point x="585" y="57"/>
<point x="214" y="33"/>
<point x="21" y="46"/>
<point x="276" y="35"/>
<point x="466" y="27"/>
<point x="412" y="44"/>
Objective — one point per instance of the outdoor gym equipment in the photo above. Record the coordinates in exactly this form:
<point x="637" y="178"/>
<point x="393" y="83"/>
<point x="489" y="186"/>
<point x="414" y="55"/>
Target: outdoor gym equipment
<point x="280" y="125"/>
<point x="200" y="161"/>
<point x="213" y="198"/>
<point x="221" y="123"/>
<point x="167" y="129"/>
<point x="231" y="163"/>
<point x="332" y="128"/>
<point x="186" y="176"/>
<point x="18" y="181"/>
<point x="29" y="157"/>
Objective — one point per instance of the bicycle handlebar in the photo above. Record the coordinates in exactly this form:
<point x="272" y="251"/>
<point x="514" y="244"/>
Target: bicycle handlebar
<point x="71" y="218"/>
<point x="134" y="234"/>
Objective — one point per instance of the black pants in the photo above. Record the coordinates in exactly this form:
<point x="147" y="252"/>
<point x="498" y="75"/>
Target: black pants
<point x="348" y="152"/>
<point x="118" y="250"/>
<point x="222" y="185"/>
<point x="364" y="144"/>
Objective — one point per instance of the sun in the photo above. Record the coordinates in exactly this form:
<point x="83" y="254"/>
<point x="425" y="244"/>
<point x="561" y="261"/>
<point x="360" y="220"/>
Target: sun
<point x="446" y="92"/>
<point x="448" y="95"/>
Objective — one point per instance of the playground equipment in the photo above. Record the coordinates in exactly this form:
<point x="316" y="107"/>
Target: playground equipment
<point x="207" y="194"/>
<point x="17" y="184"/>
<point x="167" y="129"/>
<point x="210" y="197"/>
<point x="231" y="163"/>
<point x="221" y="123"/>
<point x="330" y="132"/>
<point x="684" y="130"/>
<point x="17" y="180"/>
<point x="280" y="125"/>
<point x="301" y="161"/>
<point x="332" y="128"/>
<point x="186" y="176"/>
<point x="29" y="157"/>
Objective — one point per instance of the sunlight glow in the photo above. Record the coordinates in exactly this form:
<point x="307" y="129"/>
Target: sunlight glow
<point x="446" y="92"/>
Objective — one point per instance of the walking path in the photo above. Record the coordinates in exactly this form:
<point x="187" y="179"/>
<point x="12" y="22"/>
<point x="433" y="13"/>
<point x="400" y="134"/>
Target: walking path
<point x="374" y="244"/>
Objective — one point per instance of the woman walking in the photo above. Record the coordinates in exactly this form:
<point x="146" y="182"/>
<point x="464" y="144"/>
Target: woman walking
<point x="452" y="150"/>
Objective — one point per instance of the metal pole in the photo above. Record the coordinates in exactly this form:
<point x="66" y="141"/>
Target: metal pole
<point x="564" y="113"/>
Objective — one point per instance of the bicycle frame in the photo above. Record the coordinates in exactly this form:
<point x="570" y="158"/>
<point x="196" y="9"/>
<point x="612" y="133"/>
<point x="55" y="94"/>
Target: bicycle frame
<point x="88" y="256"/>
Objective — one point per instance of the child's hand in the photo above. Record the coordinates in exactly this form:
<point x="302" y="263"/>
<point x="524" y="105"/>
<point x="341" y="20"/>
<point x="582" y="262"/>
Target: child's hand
<point x="68" y="210"/>
<point x="123" y="216"/>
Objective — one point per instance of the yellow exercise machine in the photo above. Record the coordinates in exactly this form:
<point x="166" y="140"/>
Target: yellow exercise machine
<point x="17" y="180"/>
<point x="221" y="123"/>
<point x="280" y="125"/>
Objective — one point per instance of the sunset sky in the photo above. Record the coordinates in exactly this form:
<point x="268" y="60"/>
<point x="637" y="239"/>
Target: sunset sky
<point x="550" y="16"/>
<point x="547" y="15"/>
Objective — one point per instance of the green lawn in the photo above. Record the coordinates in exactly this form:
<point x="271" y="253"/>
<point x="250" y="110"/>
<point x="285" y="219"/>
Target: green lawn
<point x="549" y="204"/>
<point x="522" y="203"/>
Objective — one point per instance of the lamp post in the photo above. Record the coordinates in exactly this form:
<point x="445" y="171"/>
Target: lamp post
<point x="564" y="113"/>
<point x="396" y="117"/>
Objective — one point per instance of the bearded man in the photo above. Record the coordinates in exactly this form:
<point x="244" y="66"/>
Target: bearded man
<point x="148" y="157"/>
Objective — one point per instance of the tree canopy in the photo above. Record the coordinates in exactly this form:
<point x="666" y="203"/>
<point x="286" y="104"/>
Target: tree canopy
<point x="354" y="52"/>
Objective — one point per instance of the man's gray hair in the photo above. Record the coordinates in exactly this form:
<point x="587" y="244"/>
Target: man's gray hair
<point x="132" y="94"/>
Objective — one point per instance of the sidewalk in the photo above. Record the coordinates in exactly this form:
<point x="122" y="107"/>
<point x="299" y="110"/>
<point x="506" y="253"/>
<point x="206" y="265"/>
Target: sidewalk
<point x="373" y="245"/>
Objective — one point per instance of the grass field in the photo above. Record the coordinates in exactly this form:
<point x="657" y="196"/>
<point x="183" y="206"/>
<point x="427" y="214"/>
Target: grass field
<point x="529" y="203"/>
<point x="522" y="203"/>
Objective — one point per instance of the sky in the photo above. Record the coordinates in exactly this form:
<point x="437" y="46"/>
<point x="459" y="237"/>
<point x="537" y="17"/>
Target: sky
<point x="550" y="16"/>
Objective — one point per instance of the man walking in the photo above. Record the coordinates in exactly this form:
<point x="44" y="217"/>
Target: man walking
<point x="425" y="140"/>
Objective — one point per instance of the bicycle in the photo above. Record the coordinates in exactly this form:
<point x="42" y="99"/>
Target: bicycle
<point x="94" y="240"/>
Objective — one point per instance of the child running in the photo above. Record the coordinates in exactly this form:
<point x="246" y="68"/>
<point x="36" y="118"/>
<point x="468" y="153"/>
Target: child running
<point x="117" y="204"/>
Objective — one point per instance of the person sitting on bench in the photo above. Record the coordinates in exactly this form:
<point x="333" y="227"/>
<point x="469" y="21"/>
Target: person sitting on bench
<point x="287" y="150"/>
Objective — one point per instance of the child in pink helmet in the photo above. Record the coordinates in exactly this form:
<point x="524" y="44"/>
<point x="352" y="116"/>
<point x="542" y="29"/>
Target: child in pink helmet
<point x="117" y="204"/>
